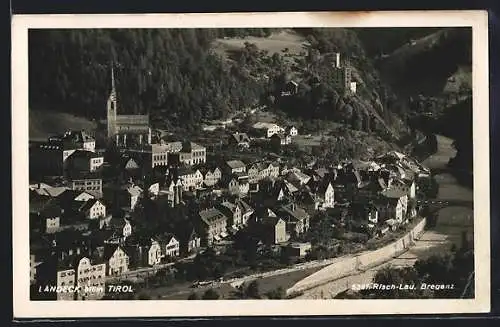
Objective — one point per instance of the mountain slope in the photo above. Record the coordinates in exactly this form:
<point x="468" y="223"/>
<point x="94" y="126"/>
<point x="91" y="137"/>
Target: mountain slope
<point x="423" y="66"/>
<point x="43" y="124"/>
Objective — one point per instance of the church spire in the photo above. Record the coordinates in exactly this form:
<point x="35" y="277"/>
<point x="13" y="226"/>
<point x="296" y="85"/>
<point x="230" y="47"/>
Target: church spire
<point x="113" y="90"/>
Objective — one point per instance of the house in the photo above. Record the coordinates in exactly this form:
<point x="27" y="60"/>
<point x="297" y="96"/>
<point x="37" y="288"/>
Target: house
<point x="292" y="131"/>
<point x="33" y="265"/>
<point x="117" y="260"/>
<point x="47" y="190"/>
<point x="396" y="204"/>
<point x="81" y="139"/>
<point x="266" y="129"/>
<point x="273" y="230"/>
<point x="298" y="178"/>
<point x="290" y="88"/>
<point x="84" y="161"/>
<point x="365" y="212"/>
<point x="93" y="209"/>
<point x="233" y="185"/>
<point x="213" y="225"/>
<point x="91" y="278"/>
<point x="189" y="240"/>
<point x="88" y="182"/>
<point x="71" y="195"/>
<point x="45" y="214"/>
<point x="235" y="166"/>
<point x="279" y="139"/>
<point x="155" y="253"/>
<point x="192" y="179"/>
<point x="172" y="246"/>
<point x="122" y="197"/>
<point x="121" y="226"/>
<point x="130" y="164"/>
<point x="211" y="176"/>
<point x="240" y="139"/>
<point x="296" y="218"/>
<point x="297" y="249"/>
<point x="66" y="278"/>
<point x="243" y="184"/>
<point x="232" y="212"/>
<point x="49" y="158"/>
<point x="174" y="190"/>
<point x="246" y="211"/>
<point x="260" y="170"/>
<point x="326" y="193"/>
<point x="188" y="153"/>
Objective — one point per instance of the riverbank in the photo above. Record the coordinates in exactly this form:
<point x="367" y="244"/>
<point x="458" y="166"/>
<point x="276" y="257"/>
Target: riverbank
<point x="451" y="223"/>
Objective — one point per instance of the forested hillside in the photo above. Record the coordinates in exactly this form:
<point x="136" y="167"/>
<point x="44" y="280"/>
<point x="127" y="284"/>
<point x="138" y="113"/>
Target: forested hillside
<point x="178" y="77"/>
<point x="170" y="73"/>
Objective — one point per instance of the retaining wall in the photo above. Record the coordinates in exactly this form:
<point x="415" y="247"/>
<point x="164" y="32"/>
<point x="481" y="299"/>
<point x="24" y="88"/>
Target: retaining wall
<point x="345" y="266"/>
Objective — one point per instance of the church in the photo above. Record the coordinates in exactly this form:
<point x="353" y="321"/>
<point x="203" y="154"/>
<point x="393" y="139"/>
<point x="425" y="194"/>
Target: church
<point x="125" y="129"/>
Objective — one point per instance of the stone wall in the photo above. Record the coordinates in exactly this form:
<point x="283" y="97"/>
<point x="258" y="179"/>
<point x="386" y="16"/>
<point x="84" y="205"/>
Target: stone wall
<point x="348" y="265"/>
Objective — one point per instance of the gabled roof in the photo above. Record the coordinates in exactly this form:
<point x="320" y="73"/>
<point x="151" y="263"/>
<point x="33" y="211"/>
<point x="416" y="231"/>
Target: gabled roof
<point x="89" y="204"/>
<point x="110" y="249"/>
<point x="393" y="193"/>
<point x="71" y="195"/>
<point x="245" y="207"/>
<point x="84" y="154"/>
<point x="134" y="190"/>
<point x="295" y="212"/>
<point x="228" y="206"/>
<point x="271" y="221"/>
<point x="240" y="137"/>
<point x="164" y="239"/>
<point x="211" y="215"/>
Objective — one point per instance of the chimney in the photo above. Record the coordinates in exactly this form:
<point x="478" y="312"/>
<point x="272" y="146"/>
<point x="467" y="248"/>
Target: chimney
<point x="337" y="60"/>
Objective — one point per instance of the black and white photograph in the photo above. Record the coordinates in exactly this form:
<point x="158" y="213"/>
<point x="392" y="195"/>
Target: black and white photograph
<point x="248" y="162"/>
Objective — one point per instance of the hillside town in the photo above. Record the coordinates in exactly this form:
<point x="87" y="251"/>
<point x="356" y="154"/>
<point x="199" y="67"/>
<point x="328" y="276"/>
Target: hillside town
<point x="99" y="212"/>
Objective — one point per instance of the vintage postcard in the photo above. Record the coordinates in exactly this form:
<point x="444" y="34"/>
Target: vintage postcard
<point x="245" y="164"/>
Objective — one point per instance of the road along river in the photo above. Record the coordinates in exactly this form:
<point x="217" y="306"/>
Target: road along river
<point x="452" y="222"/>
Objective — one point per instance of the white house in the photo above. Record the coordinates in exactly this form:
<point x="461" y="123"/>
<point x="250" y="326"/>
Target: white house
<point x="93" y="209"/>
<point x="155" y="254"/>
<point x="292" y="131"/>
<point x="134" y="192"/>
<point x="117" y="260"/>
<point x="172" y="246"/>
<point x="269" y="129"/>
<point x="90" y="275"/>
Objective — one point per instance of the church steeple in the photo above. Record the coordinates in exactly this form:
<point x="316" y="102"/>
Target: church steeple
<point x="112" y="105"/>
<point x="113" y="87"/>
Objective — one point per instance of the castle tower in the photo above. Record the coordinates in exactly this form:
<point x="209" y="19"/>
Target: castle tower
<point x="112" y="107"/>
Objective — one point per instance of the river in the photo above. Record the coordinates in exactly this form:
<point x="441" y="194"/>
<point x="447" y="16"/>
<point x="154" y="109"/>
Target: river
<point x="452" y="222"/>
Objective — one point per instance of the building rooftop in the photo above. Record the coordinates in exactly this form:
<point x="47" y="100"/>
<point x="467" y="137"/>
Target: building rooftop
<point x="235" y="164"/>
<point x="211" y="215"/>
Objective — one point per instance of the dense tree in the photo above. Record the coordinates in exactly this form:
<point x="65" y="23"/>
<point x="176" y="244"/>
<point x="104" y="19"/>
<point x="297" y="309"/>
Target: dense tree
<point x="71" y="71"/>
<point x="193" y="296"/>
<point x="252" y="291"/>
<point x="210" y="294"/>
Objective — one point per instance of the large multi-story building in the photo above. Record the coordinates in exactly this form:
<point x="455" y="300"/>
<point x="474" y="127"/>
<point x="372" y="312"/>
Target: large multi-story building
<point x="342" y="75"/>
<point x="90" y="182"/>
<point x="213" y="224"/>
<point x="188" y="153"/>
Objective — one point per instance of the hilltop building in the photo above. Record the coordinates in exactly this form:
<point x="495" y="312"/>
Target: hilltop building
<point x="342" y="77"/>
